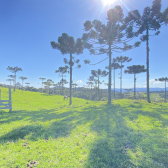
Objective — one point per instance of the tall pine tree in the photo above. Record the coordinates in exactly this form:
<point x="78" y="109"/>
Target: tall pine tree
<point x="107" y="38"/>
<point x="135" y="69"/>
<point x="151" y="20"/>
<point x="163" y="80"/>
<point x="67" y="45"/>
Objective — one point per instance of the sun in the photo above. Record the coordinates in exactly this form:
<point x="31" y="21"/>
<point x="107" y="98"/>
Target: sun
<point x="107" y="2"/>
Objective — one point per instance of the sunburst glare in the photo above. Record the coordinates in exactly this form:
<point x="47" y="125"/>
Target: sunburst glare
<point x="108" y="2"/>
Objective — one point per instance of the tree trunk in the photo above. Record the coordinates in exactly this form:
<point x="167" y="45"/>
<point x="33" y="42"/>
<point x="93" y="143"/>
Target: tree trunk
<point x="98" y="88"/>
<point x="121" y="82"/>
<point x="15" y="82"/>
<point x="109" y="86"/>
<point x="42" y="86"/>
<point x="165" y="91"/>
<point x="62" y="84"/>
<point x="22" y="86"/>
<point x="114" y="83"/>
<point x="134" y="86"/>
<point x="147" y="62"/>
<point x="91" y="91"/>
<point x="70" y="99"/>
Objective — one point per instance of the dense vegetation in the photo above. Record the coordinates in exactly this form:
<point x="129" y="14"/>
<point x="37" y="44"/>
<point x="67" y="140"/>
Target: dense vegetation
<point x="85" y="93"/>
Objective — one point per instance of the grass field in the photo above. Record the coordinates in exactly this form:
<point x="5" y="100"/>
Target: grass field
<point x="44" y="131"/>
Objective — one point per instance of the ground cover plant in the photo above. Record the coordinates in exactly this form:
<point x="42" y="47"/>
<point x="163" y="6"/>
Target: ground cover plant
<point x="44" y="131"/>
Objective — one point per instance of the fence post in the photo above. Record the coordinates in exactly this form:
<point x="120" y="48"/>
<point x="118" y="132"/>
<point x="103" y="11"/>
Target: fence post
<point x="10" y="100"/>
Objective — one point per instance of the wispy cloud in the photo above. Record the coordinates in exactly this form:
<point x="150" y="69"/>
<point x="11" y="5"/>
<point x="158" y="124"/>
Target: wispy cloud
<point x="156" y="82"/>
<point x="152" y="80"/>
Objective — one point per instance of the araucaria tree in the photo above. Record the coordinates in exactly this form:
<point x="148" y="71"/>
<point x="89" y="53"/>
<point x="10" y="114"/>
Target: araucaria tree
<point x="74" y="85"/>
<point x="90" y="83"/>
<point x="59" y="84"/>
<point x="22" y="78"/>
<point x="10" y="80"/>
<point x="163" y="80"/>
<point x="114" y="66"/>
<point x="55" y="85"/>
<point x="151" y="20"/>
<point x="97" y="74"/>
<point x="13" y="79"/>
<point x="63" y="82"/>
<point x="128" y="90"/>
<point x="67" y="45"/>
<point x="122" y="60"/>
<point x="42" y="82"/>
<point x="135" y="69"/>
<point x="14" y="70"/>
<point x="112" y="37"/>
<point x="48" y="84"/>
<point x="74" y="61"/>
<point x="27" y="83"/>
<point x="62" y="71"/>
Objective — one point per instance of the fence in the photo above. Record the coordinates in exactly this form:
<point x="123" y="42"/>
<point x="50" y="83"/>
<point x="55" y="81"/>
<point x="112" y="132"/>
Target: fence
<point x="8" y="104"/>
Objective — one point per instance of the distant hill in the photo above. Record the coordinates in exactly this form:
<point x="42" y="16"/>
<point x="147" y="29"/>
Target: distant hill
<point x="137" y="89"/>
<point x="141" y="89"/>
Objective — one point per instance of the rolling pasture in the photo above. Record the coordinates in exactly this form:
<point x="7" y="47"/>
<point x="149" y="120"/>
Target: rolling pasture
<point x="44" y="131"/>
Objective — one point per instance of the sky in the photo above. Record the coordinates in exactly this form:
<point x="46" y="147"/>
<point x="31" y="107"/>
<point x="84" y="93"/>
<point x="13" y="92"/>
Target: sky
<point x="28" y="27"/>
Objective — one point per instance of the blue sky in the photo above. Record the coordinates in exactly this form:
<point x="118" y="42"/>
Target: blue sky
<point x="28" y="27"/>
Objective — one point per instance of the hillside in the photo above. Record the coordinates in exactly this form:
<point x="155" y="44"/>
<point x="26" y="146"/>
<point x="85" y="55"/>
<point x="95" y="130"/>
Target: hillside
<point x="44" y="131"/>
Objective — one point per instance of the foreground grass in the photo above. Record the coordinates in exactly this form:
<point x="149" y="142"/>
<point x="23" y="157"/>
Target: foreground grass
<point x="43" y="131"/>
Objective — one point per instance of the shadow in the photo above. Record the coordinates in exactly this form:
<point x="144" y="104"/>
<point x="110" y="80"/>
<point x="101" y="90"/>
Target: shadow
<point x="20" y="133"/>
<point x="109" y="149"/>
<point x="60" y="128"/>
<point x="121" y="145"/>
<point x="126" y="136"/>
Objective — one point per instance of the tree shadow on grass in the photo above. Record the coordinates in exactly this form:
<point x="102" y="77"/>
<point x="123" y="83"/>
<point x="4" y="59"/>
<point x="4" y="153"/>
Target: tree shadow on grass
<point x="21" y="132"/>
<point x="37" y="131"/>
<point x="120" y="145"/>
<point x="34" y="116"/>
<point x="120" y="142"/>
<point x="58" y="124"/>
<point x="108" y="150"/>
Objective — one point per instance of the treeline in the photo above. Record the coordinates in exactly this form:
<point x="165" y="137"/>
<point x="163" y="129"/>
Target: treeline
<point x="85" y="93"/>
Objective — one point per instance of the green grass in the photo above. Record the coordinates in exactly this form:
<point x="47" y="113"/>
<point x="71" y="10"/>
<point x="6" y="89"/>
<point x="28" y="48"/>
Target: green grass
<point x="44" y="131"/>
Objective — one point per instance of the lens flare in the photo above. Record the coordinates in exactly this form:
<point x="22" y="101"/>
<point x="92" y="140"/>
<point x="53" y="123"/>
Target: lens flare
<point x="107" y="2"/>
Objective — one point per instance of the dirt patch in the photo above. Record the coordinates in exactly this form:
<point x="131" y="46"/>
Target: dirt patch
<point x="32" y="164"/>
<point x="25" y="144"/>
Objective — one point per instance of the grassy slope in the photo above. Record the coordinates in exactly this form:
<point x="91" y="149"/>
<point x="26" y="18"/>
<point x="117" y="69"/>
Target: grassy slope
<point x="43" y="131"/>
